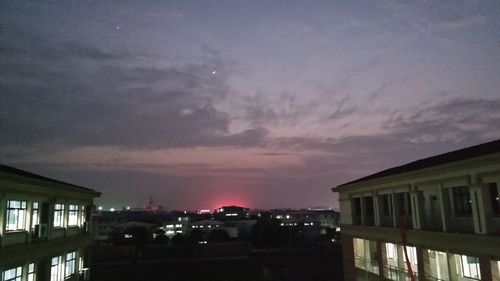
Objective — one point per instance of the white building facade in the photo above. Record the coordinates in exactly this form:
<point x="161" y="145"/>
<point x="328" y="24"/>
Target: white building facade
<point x="438" y="218"/>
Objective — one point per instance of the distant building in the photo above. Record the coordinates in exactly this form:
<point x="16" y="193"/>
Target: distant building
<point x="445" y="210"/>
<point x="320" y="219"/>
<point x="45" y="223"/>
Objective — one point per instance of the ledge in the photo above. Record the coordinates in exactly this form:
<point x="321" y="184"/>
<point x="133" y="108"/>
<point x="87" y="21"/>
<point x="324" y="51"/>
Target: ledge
<point x="21" y="253"/>
<point x="470" y="244"/>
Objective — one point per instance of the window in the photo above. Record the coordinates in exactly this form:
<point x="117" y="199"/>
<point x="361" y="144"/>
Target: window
<point x="403" y="201"/>
<point x="387" y="204"/>
<point x="461" y="201"/>
<point x="369" y="205"/>
<point x="470" y="267"/>
<point x="59" y="215"/>
<point x="495" y="198"/>
<point x="83" y="215"/>
<point x="70" y="264"/>
<point x="35" y="214"/>
<point x="16" y="215"/>
<point x="357" y="206"/>
<point x="412" y="255"/>
<point x="13" y="274"/>
<point x="56" y="269"/>
<point x="31" y="272"/>
<point x="391" y="251"/>
<point x="72" y="215"/>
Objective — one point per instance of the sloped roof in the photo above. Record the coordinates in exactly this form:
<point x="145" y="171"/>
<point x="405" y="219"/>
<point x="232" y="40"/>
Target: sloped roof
<point x="25" y="174"/>
<point x="441" y="159"/>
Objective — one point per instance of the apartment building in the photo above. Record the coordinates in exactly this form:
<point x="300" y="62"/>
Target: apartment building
<point x="44" y="228"/>
<point x="433" y="219"/>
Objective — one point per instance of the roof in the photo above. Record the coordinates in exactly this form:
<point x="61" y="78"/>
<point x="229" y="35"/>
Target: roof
<point x="22" y="173"/>
<point x="441" y="159"/>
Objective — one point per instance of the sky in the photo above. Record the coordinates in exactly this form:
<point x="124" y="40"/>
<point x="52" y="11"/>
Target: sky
<point x="262" y="104"/>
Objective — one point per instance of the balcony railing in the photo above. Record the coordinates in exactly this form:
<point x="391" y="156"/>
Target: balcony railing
<point x="366" y="264"/>
<point x="430" y="278"/>
<point x="399" y="274"/>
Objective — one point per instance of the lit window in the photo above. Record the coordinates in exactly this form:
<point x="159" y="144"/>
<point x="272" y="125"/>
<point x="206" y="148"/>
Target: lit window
<point x="16" y="215"/>
<point x="31" y="272"/>
<point x="412" y="254"/>
<point x="391" y="251"/>
<point x="70" y="266"/>
<point x="470" y="267"/>
<point x="56" y="269"/>
<point x="72" y="215"/>
<point x="58" y="215"/>
<point x="35" y="214"/>
<point x="83" y="215"/>
<point x="13" y="274"/>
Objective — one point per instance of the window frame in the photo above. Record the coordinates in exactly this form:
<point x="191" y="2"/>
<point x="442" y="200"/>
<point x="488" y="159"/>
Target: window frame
<point x="73" y="212"/>
<point x="31" y="272"/>
<point x="18" y="273"/>
<point x="82" y="215"/>
<point x="461" y="200"/>
<point x="15" y="213"/>
<point x="58" y="216"/>
<point x="463" y="261"/>
<point x="35" y="214"/>
<point x="70" y="263"/>
<point x="56" y="264"/>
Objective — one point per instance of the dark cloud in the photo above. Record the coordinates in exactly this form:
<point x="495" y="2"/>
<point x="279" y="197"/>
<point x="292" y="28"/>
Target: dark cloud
<point x="120" y="104"/>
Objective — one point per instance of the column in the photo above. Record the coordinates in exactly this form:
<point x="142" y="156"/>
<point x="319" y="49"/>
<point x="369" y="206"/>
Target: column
<point x="376" y="209"/>
<point x="395" y="210"/>
<point x="495" y="270"/>
<point x="444" y="203"/>
<point x="452" y="267"/>
<point x="418" y="215"/>
<point x="485" y="268"/>
<point x="481" y="208"/>
<point x="381" y="259"/>
<point x="401" y="263"/>
<point x="423" y="264"/>
<point x="348" y="257"/>
<point x="363" y="210"/>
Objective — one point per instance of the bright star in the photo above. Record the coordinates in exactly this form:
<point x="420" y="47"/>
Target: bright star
<point x="215" y="71"/>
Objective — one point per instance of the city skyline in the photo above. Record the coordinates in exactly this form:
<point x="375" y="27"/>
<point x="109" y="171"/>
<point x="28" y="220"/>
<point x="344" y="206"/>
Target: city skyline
<point x="262" y="104"/>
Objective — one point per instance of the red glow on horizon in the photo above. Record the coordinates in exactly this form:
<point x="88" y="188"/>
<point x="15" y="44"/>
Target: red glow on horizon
<point x="230" y="201"/>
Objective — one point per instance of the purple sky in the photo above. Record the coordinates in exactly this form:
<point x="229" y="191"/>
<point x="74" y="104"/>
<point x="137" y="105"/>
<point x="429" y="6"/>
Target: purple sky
<point x="258" y="103"/>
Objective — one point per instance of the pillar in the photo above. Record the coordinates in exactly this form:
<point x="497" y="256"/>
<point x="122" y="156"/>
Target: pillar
<point x="424" y="269"/>
<point x="485" y="268"/>
<point x="481" y="208"/>
<point x="444" y="203"/>
<point x="348" y="257"/>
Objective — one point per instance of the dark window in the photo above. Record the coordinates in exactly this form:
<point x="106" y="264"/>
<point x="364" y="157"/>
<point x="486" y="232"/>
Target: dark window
<point x="403" y="200"/>
<point x="461" y="201"/>
<point x="495" y="199"/>
<point x="369" y="206"/>
<point x="387" y="204"/>
<point x="357" y="206"/>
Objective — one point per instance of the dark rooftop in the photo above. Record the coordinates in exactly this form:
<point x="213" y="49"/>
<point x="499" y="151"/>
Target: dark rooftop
<point x="454" y="156"/>
<point x="18" y="172"/>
